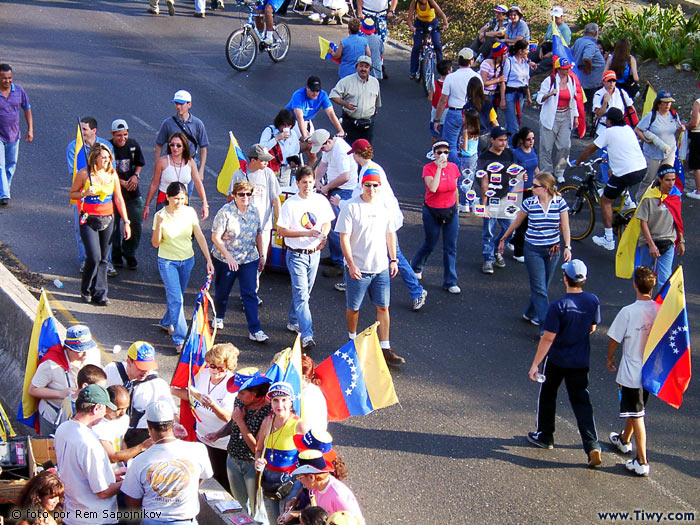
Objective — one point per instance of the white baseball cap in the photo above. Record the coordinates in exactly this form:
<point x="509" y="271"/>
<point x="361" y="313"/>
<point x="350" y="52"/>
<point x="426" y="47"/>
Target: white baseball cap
<point x="160" y="411"/>
<point x="318" y="138"/>
<point x="119" y="125"/>
<point x="182" y="97"/>
<point x="557" y="11"/>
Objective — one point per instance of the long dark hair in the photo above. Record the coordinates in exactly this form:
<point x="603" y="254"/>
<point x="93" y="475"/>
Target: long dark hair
<point x="621" y="57"/>
<point x="520" y="136"/>
<point x="475" y="93"/>
<point x="186" y="155"/>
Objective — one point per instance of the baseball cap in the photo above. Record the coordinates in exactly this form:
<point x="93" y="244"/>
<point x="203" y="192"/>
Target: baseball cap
<point x="96" y="394"/>
<point x="467" y="53"/>
<point x="363" y="59"/>
<point x="517" y="9"/>
<point x="360" y="145"/>
<point x="319" y="440"/>
<point x="313" y="83"/>
<point x="78" y="338"/>
<point x="343" y="517"/>
<point x="562" y="63"/>
<point x="367" y="26"/>
<point x="143" y="355"/>
<point x="498" y="131"/>
<point x="557" y="11"/>
<point x="119" y="124"/>
<point x="665" y="96"/>
<point x="609" y="75"/>
<point x="182" y="97"/>
<point x="318" y="138"/>
<point x="312" y="462"/>
<point x="244" y="374"/>
<point x="575" y="269"/>
<point x="498" y="49"/>
<point x="159" y="411"/>
<point x="500" y="8"/>
<point x="260" y="152"/>
<point x="280" y="388"/>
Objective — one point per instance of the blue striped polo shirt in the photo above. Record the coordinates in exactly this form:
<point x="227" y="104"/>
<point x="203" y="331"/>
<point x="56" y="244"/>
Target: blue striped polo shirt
<point x="543" y="225"/>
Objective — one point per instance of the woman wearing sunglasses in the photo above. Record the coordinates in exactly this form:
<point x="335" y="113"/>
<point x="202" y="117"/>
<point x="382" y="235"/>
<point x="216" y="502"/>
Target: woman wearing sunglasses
<point x="176" y="166"/>
<point x="440" y="214"/>
<point x="213" y="402"/>
<point x="237" y="237"/>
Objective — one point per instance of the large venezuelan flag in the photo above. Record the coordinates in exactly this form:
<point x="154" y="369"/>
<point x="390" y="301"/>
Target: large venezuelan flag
<point x="327" y="48"/>
<point x="44" y="338"/>
<point x="560" y="49"/>
<point x="235" y="160"/>
<point x="198" y="342"/>
<point x="666" y="364"/>
<point x="355" y="378"/>
<point x="79" y="158"/>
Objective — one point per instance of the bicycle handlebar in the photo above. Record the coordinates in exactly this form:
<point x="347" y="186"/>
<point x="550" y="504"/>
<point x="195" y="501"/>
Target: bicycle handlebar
<point x="588" y="164"/>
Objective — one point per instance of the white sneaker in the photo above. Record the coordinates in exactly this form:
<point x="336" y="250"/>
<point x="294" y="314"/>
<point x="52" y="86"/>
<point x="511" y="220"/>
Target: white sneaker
<point x="268" y="40"/>
<point x="633" y="465"/>
<point x="604" y="242"/>
<point x="615" y="439"/>
<point x="419" y="275"/>
<point x="258" y="336"/>
<point x="463" y="208"/>
<point x="519" y="258"/>
<point x="217" y="323"/>
<point x="509" y="246"/>
<point x="693" y="194"/>
<point x="315" y="17"/>
<point x="629" y="204"/>
<point x="292" y="327"/>
<point x="454" y="289"/>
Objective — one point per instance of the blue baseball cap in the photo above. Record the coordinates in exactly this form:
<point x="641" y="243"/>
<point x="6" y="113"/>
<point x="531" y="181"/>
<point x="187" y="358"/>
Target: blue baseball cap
<point x="79" y="338"/>
<point x="498" y="131"/>
<point x="143" y="355"/>
<point x="575" y="269"/>
<point x="281" y="388"/>
<point x="665" y="96"/>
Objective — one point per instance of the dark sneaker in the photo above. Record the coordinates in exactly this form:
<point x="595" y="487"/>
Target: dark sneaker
<point x="594" y="459"/>
<point x="100" y="302"/>
<point x="535" y="439"/>
<point x="500" y="261"/>
<point x="392" y="358"/>
<point x="333" y="271"/>
<point x="86" y="297"/>
<point x="117" y="262"/>
<point x="131" y="263"/>
<point x="307" y="343"/>
<point x="111" y="272"/>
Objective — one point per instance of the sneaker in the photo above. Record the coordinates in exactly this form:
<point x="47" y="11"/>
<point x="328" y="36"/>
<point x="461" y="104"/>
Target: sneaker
<point x="307" y="343"/>
<point x="629" y="204"/>
<point x="693" y="194"/>
<point x="217" y="323"/>
<point x="111" y="272"/>
<point x="333" y="271"/>
<point x="604" y="242"/>
<point x="100" y="302"/>
<point x="293" y="327"/>
<point x="117" y="262"/>
<point x="315" y="17"/>
<point x="171" y="8"/>
<point x="153" y="10"/>
<point x="616" y="440"/>
<point x="454" y="289"/>
<point x="199" y="15"/>
<point x="500" y="261"/>
<point x="268" y="40"/>
<point x="531" y="320"/>
<point x="418" y="302"/>
<point x="392" y="358"/>
<point x="594" y="459"/>
<point x="260" y="301"/>
<point x="510" y="247"/>
<point x="463" y="208"/>
<point x="487" y="267"/>
<point x="536" y="439"/>
<point x="419" y="275"/>
<point x="340" y="286"/>
<point x="633" y="465"/>
<point x="519" y="258"/>
<point x="561" y="179"/>
<point x="86" y="297"/>
<point x="414" y="76"/>
<point x="220" y="4"/>
<point x="259" y="336"/>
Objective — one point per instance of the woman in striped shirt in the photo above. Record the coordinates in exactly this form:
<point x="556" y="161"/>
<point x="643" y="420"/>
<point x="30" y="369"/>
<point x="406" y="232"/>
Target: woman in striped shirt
<point x="547" y="214"/>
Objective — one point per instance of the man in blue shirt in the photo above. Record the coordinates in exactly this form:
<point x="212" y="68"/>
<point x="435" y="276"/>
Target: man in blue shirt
<point x="566" y="345"/>
<point x="590" y="62"/>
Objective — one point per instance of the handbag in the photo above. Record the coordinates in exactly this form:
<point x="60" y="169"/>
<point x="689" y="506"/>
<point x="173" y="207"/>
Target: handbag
<point x="362" y="124"/>
<point x="631" y="117"/>
<point x="442" y="215"/>
<point x="663" y="245"/>
<point x="276" y="485"/>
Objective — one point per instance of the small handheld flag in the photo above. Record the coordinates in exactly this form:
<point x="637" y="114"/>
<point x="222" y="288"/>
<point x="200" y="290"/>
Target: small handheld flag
<point x="235" y="160"/>
<point x="327" y="49"/>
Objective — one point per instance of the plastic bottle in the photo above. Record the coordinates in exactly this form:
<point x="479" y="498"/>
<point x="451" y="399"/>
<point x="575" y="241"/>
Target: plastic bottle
<point x="540" y="377"/>
<point x="57" y="283"/>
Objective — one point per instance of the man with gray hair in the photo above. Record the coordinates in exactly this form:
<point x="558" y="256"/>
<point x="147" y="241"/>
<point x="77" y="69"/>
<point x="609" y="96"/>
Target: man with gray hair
<point x="590" y="62"/>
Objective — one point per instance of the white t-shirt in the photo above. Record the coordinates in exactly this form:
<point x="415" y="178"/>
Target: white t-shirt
<point x="624" y="154"/>
<point x="143" y="393"/>
<point x="455" y="86"/>
<point x="376" y="5"/>
<point x="166" y="478"/>
<point x="386" y="193"/>
<point x="112" y="430"/>
<point x="266" y="188"/>
<point x="631" y="328"/>
<point x="84" y="468"/>
<point x="338" y="162"/>
<point x="315" y="407"/>
<point x="615" y="101"/>
<point x="367" y="224"/>
<point x="221" y="396"/>
<point x="299" y="214"/>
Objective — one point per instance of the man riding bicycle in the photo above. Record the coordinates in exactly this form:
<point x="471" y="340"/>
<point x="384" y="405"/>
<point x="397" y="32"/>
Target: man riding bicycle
<point x="267" y="8"/>
<point x="627" y="166"/>
<point x="426" y="12"/>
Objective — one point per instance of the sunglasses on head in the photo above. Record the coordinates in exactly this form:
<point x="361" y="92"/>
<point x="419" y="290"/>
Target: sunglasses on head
<point x="245" y="194"/>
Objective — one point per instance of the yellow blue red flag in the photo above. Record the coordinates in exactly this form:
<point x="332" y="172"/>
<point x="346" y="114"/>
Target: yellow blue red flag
<point x="79" y="158"/>
<point x="287" y="367"/>
<point x="561" y="50"/>
<point x="327" y="48"/>
<point x="235" y="160"/>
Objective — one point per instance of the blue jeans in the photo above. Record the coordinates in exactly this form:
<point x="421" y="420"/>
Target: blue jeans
<point x="224" y="278"/>
<point x="175" y="275"/>
<point x="241" y="478"/>
<point x="377" y="285"/>
<point x="489" y="237"/>
<point x="466" y="181"/>
<point x="512" y="124"/>
<point x="415" y="290"/>
<point x="432" y="231"/>
<point x="96" y="234"/>
<point x="663" y="265"/>
<point x="302" y="272"/>
<point x="450" y="132"/>
<point x="333" y="236"/>
<point x="78" y="239"/>
<point x="9" y="151"/>
<point x="540" y="269"/>
<point x="421" y="29"/>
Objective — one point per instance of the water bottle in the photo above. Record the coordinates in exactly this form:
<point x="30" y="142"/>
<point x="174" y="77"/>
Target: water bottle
<point x="57" y="283"/>
<point x="540" y="377"/>
<point x="116" y="349"/>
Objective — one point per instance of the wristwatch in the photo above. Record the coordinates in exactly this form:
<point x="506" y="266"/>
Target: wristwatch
<point x="393" y="261"/>
<point x="127" y="222"/>
<point x="567" y="247"/>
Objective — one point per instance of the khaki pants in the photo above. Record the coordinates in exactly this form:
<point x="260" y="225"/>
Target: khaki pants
<point x="560" y="137"/>
<point x="652" y="169"/>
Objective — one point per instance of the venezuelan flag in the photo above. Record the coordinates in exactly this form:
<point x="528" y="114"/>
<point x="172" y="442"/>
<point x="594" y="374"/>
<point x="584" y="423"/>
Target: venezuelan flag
<point x="44" y="338"/>
<point x="327" y="48"/>
<point x="666" y="363"/>
<point x="235" y="160"/>
<point x="560" y="49"/>
<point x="6" y="430"/>
<point x="80" y="157"/>
<point x="287" y="367"/>
<point x="198" y="342"/>
<point x="355" y="378"/>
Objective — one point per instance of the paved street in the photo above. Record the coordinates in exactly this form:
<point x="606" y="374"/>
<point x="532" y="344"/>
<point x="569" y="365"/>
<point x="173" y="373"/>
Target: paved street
<point x="454" y="450"/>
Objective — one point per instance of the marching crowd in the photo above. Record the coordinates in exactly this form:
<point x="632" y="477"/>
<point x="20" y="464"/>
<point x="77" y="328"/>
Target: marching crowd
<point x="117" y="428"/>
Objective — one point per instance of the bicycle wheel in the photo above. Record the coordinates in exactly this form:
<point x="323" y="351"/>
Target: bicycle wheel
<point x="581" y="215"/>
<point x="621" y="220"/>
<point x="280" y="47"/>
<point x="427" y="70"/>
<point x="241" y="49"/>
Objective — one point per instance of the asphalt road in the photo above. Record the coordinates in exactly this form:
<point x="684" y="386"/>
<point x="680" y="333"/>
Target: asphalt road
<point x="454" y="450"/>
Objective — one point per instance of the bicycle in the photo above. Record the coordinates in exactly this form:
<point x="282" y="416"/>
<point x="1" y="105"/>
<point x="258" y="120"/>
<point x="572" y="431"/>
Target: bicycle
<point x="581" y="198"/>
<point x="243" y="44"/>
<point x="426" y="63"/>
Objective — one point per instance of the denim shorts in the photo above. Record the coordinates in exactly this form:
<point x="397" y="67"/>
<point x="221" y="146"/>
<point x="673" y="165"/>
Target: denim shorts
<point x="377" y="284"/>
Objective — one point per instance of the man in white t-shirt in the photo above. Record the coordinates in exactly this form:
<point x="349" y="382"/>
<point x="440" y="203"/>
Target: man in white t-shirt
<point x="138" y="375"/>
<point x="164" y="481"/>
<point x="90" y="483"/>
<point x="367" y="231"/>
<point x="336" y="175"/>
<point x="453" y="99"/>
<point x="627" y="167"/>
<point x="304" y="222"/>
<point x="631" y="328"/>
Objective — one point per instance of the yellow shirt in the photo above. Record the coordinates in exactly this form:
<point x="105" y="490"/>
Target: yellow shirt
<point x="425" y="15"/>
<point x="176" y="244"/>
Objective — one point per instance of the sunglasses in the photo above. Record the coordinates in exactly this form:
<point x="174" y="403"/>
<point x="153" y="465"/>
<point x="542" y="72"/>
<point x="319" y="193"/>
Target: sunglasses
<point x="530" y="138"/>
<point x="245" y="194"/>
<point x="371" y="185"/>
<point x="175" y="145"/>
<point x="443" y="152"/>
<point x="537" y="186"/>
<point x="611" y="80"/>
<point x="219" y="368"/>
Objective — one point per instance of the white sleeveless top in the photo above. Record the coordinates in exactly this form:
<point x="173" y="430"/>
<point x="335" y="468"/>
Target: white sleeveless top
<point x="172" y="174"/>
<point x="696" y="129"/>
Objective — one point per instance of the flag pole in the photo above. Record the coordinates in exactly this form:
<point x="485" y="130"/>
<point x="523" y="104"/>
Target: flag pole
<point x="87" y="164"/>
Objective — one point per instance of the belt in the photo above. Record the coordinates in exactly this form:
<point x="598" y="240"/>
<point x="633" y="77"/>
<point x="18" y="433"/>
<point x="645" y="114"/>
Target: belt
<point x="456" y="109"/>
<point x="309" y="251"/>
